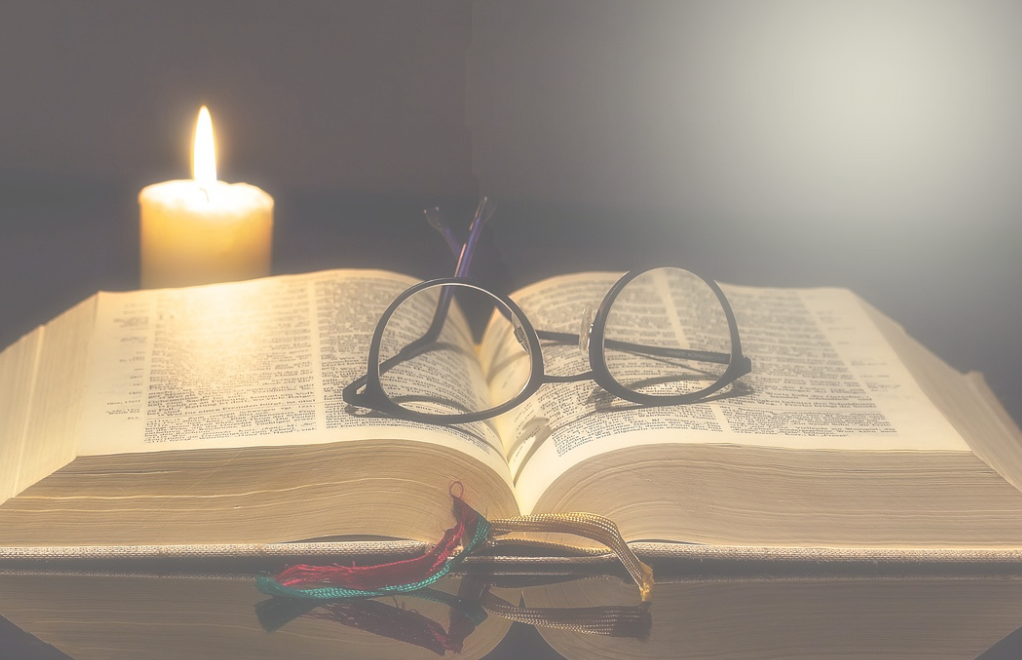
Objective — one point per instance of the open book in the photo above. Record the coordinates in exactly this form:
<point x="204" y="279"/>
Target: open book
<point x="213" y="415"/>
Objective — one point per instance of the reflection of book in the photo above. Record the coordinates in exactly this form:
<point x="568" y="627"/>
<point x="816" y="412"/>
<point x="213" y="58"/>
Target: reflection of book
<point x="213" y="415"/>
<point x="110" y="616"/>
<point x="955" y="618"/>
<point x="122" y="616"/>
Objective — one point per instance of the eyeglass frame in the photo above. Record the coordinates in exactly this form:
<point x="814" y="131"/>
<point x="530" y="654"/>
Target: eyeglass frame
<point x="374" y="397"/>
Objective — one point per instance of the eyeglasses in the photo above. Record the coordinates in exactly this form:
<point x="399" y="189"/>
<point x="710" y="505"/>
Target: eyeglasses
<point x="661" y="336"/>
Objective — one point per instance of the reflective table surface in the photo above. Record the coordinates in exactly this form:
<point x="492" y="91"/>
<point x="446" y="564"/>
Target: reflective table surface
<point x="496" y="609"/>
<point x="955" y="293"/>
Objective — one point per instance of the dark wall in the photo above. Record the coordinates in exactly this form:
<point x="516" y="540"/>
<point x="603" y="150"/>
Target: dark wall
<point x="873" y="144"/>
<point x="359" y="95"/>
<point x="789" y="111"/>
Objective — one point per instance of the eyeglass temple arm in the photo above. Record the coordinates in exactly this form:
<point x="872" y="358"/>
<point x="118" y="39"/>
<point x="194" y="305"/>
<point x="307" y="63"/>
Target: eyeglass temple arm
<point x="660" y="351"/>
<point x="484" y="211"/>
<point x="464" y="252"/>
<point x="436" y="219"/>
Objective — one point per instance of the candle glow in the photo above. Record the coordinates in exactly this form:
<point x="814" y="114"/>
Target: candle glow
<point x="201" y="230"/>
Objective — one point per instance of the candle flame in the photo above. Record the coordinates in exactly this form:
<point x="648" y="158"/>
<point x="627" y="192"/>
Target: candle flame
<point x="203" y="151"/>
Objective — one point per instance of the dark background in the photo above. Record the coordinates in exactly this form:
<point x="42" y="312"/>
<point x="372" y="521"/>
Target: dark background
<point x="874" y="145"/>
<point x="867" y="144"/>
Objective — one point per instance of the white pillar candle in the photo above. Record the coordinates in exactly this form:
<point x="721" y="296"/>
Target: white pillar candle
<point x="202" y="230"/>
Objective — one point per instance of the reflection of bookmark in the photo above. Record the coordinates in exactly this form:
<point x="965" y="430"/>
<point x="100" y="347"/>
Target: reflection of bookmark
<point x="633" y="621"/>
<point x="399" y="623"/>
<point x="406" y="625"/>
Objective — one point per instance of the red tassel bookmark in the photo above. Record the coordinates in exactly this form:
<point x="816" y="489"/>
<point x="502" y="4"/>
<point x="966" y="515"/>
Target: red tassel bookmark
<point x="336" y="581"/>
<point x="470" y="531"/>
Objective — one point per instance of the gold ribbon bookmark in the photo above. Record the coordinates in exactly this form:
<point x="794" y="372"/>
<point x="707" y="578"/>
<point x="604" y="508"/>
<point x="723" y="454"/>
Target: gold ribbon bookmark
<point x="587" y="525"/>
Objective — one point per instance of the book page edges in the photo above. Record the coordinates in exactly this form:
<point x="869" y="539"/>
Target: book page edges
<point x="42" y="377"/>
<point x="1001" y="447"/>
<point x="18" y="367"/>
<point x="78" y="557"/>
<point x="392" y="489"/>
<point x="55" y="415"/>
<point x="965" y="400"/>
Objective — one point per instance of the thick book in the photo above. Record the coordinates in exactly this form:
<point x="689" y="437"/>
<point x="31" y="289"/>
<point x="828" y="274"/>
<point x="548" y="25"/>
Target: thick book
<point x="213" y="415"/>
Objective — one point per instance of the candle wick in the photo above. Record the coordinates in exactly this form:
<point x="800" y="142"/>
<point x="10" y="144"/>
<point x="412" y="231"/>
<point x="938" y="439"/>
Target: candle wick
<point x="203" y="189"/>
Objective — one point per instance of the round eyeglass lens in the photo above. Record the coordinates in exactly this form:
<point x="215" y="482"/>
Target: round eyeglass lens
<point x="429" y="362"/>
<point x="667" y="334"/>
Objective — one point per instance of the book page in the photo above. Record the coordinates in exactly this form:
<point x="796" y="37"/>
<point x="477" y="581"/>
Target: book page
<point x="41" y="381"/>
<point x="823" y="377"/>
<point x="19" y="364"/>
<point x="968" y="403"/>
<point x="257" y="363"/>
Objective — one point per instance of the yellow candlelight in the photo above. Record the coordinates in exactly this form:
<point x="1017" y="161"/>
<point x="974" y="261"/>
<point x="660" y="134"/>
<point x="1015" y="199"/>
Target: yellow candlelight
<point x="202" y="230"/>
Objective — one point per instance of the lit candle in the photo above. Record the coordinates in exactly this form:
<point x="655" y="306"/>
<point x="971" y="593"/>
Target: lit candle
<point x="203" y="230"/>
